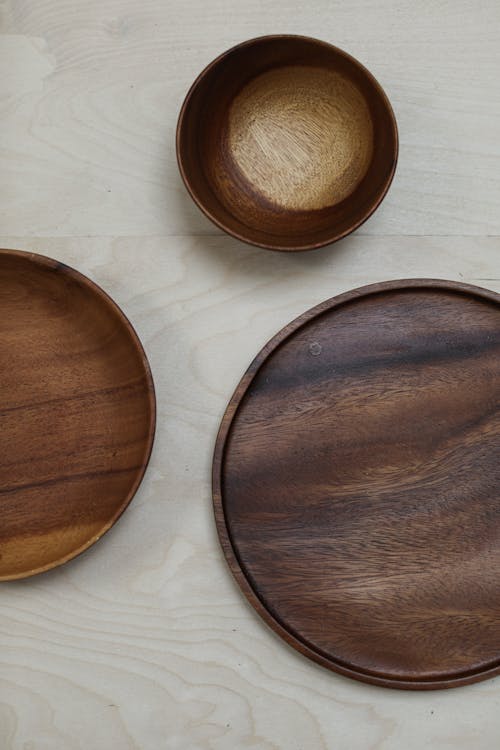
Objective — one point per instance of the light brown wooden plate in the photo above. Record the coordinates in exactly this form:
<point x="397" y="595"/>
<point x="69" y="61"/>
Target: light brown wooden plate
<point x="77" y="413"/>
<point x="287" y="142"/>
<point x="356" y="484"/>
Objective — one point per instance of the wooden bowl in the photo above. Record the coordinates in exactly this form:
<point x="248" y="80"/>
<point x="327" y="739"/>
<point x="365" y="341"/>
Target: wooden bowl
<point x="287" y="142"/>
<point x="77" y="412"/>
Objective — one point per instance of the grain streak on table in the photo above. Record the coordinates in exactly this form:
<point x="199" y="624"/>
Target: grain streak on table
<point x="145" y="642"/>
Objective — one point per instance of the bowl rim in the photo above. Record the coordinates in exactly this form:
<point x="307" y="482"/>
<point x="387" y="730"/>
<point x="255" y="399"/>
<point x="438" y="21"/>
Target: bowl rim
<point x="335" y="236"/>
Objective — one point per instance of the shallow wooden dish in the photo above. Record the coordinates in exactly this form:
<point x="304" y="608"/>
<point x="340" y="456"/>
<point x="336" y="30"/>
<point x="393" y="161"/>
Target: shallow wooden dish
<point x="77" y="413"/>
<point x="356" y="484"/>
<point x="287" y="142"/>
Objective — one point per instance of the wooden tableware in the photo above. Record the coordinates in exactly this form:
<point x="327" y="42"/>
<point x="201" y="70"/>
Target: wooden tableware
<point x="287" y="142"/>
<point x="77" y="413"/>
<point x="356" y="484"/>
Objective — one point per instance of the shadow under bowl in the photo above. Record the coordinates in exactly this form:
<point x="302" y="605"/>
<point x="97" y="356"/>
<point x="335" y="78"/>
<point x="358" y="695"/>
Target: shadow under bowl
<point x="287" y="143"/>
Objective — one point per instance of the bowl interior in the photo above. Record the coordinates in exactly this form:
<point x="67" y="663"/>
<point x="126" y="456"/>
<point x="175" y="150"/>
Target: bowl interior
<point x="287" y="142"/>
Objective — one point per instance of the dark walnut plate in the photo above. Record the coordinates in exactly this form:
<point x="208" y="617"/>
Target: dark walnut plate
<point x="77" y="413"/>
<point x="356" y="484"/>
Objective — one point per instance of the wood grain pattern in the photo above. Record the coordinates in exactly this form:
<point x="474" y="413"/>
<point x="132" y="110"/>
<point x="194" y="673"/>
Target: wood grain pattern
<point x="287" y="142"/>
<point x="302" y="137"/>
<point x="91" y="93"/>
<point x="356" y="484"/>
<point x="77" y="413"/>
<point x="146" y="642"/>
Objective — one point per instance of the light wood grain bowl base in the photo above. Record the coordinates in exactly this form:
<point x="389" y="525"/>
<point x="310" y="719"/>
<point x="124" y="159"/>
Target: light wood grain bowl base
<point x="287" y="142"/>
<point x="77" y="413"/>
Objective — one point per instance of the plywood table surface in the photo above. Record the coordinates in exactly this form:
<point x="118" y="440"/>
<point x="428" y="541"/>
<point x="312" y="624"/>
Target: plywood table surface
<point x="145" y="642"/>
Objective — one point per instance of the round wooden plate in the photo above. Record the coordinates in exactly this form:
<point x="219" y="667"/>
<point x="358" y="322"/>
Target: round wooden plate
<point x="356" y="484"/>
<point x="77" y="411"/>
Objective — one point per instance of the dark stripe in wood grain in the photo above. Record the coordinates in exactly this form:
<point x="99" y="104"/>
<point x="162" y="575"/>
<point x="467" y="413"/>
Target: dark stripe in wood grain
<point x="66" y="479"/>
<point x="137" y="385"/>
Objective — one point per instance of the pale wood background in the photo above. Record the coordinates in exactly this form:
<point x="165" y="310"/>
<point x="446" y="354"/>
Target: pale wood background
<point x="144" y="642"/>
